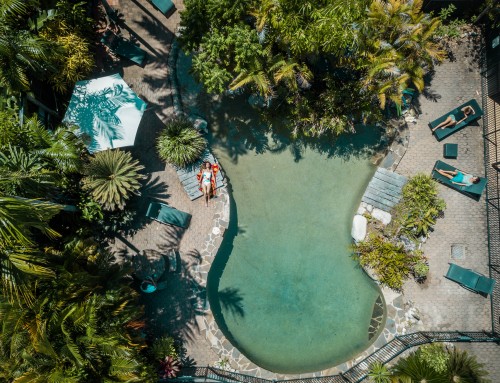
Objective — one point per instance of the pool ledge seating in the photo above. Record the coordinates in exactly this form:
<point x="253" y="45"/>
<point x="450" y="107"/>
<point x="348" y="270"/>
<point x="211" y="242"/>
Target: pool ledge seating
<point x="474" y="191"/>
<point x="440" y="134"/>
<point x="470" y="279"/>
<point x="168" y="215"/>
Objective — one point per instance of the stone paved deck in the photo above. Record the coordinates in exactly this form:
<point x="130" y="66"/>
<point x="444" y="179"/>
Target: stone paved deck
<point x="443" y="305"/>
<point x="154" y="32"/>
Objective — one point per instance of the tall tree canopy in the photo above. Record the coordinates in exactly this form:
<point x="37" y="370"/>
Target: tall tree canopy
<point x="306" y="52"/>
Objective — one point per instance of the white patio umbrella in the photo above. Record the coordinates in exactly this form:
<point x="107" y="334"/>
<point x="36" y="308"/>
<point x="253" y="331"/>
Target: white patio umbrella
<point x="107" y="112"/>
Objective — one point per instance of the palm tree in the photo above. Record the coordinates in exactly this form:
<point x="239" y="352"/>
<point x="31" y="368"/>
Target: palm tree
<point x="19" y="257"/>
<point x="291" y="73"/>
<point x="112" y="177"/>
<point x="61" y="149"/>
<point x="398" y="48"/>
<point x="463" y="367"/>
<point x="21" y="52"/>
<point x="68" y="334"/>
<point x="414" y="369"/>
<point x="179" y="143"/>
<point x="379" y="373"/>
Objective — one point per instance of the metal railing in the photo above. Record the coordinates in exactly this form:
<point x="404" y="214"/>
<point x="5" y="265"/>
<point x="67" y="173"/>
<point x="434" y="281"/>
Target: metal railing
<point x="490" y="84"/>
<point x="355" y="374"/>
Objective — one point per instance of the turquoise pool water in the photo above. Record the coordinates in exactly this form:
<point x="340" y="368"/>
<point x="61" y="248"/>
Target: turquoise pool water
<point x="283" y="288"/>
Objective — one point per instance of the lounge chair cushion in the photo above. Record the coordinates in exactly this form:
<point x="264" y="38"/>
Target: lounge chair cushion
<point x="473" y="191"/>
<point x="123" y="47"/>
<point x="440" y="134"/>
<point x="164" y="6"/>
<point x="168" y="215"/>
<point x="470" y="279"/>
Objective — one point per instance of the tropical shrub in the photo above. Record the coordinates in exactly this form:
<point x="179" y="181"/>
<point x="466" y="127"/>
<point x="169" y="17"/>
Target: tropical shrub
<point x="416" y="213"/>
<point x="179" y="143"/>
<point x="379" y="373"/>
<point x="450" y="28"/>
<point x="111" y="178"/>
<point x="20" y="256"/>
<point x="462" y="367"/>
<point x="68" y="30"/>
<point x="164" y="346"/>
<point x="23" y="55"/>
<point x="436" y="356"/>
<point x="420" y="270"/>
<point x="433" y="363"/>
<point x="390" y="262"/>
<point x="169" y="367"/>
<point x="83" y="326"/>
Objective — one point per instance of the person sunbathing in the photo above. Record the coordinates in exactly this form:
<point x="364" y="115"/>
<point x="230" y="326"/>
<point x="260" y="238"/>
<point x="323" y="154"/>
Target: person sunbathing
<point x="459" y="178"/>
<point x="451" y="120"/>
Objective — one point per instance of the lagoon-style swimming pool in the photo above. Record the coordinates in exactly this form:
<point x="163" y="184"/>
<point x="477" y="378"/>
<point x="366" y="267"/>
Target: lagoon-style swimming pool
<point x="283" y="287"/>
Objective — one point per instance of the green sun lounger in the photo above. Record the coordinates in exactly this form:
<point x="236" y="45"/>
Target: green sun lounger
<point x="124" y="47"/>
<point x="474" y="191"/>
<point x="457" y="112"/>
<point x="470" y="279"/>
<point x="168" y="215"/>
<point x="164" y="6"/>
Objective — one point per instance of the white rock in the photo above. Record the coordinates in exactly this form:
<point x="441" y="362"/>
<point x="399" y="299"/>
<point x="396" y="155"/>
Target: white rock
<point x="358" y="231"/>
<point x="369" y="208"/>
<point x="361" y="210"/>
<point x="216" y="230"/>
<point x="382" y="216"/>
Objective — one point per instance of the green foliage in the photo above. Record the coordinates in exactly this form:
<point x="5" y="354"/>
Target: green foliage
<point x="415" y="369"/>
<point x="91" y="210"/>
<point x="22" y="53"/>
<point x="450" y="28"/>
<point x="275" y="48"/>
<point x="463" y="367"/>
<point x="433" y="363"/>
<point x="390" y="262"/>
<point x="111" y="178"/>
<point x="68" y="30"/>
<point x="163" y="347"/>
<point x="36" y="162"/>
<point x="398" y="48"/>
<point x="379" y="373"/>
<point x="83" y="326"/>
<point x="421" y="269"/>
<point x="436" y="356"/>
<point x="419" y="208"/>
<point x="179" y="143"/>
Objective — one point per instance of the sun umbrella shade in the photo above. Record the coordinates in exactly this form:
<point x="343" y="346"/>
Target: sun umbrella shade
<point x="107" y="112"/>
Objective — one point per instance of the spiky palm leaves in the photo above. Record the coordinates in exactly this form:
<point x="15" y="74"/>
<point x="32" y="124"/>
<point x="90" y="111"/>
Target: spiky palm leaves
<point x="459" y="367"/>
<point x="112" y="177"/>
<point x="21" y="52"/>
<point x="398" y="47"/>
<point x="19" y="257"/>
<point x="76" y="330"/>
<point x="36" y="161"/>
<point x="179" y="143"/>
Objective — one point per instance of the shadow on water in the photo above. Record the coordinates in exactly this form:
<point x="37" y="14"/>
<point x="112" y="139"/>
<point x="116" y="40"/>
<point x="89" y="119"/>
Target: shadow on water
<point x="238" y="129"/>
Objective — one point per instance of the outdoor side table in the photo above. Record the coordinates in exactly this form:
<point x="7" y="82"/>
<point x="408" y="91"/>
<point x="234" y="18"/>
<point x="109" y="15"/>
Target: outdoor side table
<point x="450" y="150"/>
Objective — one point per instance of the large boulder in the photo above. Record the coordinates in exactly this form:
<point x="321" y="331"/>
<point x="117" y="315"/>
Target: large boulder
<point x="382" y="216"/>
<point x="358" y="231"/>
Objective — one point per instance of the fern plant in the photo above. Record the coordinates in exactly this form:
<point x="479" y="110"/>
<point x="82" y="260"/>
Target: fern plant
<point x="391" y="263"/>
<point x="179" y="143"/>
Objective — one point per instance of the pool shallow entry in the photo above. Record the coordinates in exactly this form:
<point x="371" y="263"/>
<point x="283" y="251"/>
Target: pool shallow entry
<point x="283" y="287"/>
<point x="285" y="291"/>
